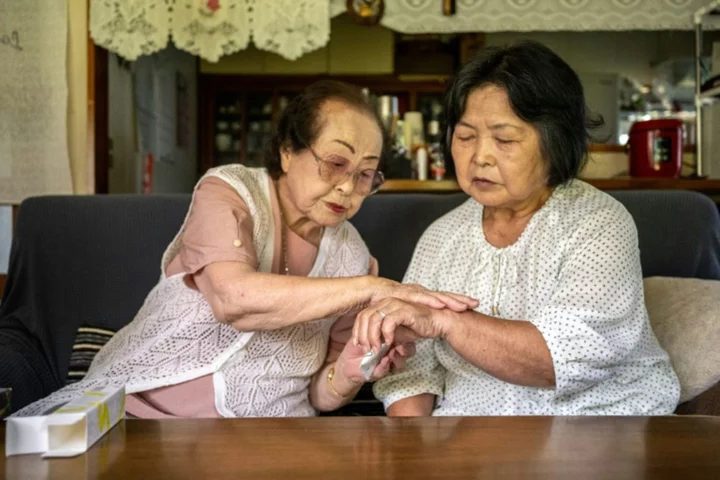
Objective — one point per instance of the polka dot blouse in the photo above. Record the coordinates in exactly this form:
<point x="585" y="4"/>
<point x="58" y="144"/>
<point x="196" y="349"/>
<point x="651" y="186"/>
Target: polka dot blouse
<point x="575" y="274"/>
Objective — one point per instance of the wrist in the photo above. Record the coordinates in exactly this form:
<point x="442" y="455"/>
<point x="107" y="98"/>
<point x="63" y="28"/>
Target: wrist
<point x="452" y="324"/>
<point x="376" y="288"/>
<point x="369" y="287"/>
<point x="340" y="384"/>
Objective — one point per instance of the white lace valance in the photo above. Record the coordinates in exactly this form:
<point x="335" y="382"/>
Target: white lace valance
<point x="210" y="28"/>
<point x="292" y="28"/>
<point x="425" y="16"/>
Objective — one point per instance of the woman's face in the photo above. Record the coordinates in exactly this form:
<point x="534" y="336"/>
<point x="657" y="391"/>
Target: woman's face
<point x="350" y="141"/>
<point x="497" y="155"/>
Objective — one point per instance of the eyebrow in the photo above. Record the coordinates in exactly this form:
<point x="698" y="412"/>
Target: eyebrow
<point x="342" y="142"/>
<point x="497" y="126"/>
<point x="500" y="126"/>
<point x="352" y="149"/>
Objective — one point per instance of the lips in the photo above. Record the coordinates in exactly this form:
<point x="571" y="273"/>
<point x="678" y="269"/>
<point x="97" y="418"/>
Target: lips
<point x="483" y="181"/>
<point x="336" y="208"/>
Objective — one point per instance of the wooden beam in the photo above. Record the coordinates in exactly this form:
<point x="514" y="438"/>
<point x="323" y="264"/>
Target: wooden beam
<point x="98" y="123"/>
<point x="3" y="276"/>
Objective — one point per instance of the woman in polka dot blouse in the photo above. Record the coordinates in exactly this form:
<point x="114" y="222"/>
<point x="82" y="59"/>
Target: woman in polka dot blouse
<point x="561" y="328"/>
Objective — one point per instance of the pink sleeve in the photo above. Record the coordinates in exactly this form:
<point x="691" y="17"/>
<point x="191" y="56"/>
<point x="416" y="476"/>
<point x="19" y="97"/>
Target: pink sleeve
<point x="219" y="228"/>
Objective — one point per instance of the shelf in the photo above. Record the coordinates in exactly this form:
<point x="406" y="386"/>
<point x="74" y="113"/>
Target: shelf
<point x="407" y="185"/>
<point x="712" y="93"/>
<point x="707" y="186"/>
<point x="704" y="185"/>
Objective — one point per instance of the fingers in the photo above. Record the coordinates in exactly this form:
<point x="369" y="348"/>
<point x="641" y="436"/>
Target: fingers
<point x="367" y="331"/>
<point x="360" y="327"/>
<point x="397" y="361"/>
<point x="368" y="325"/>
<point x="408" y="349"/>
<point x="388" y="327"/>
<point x="469" y="301"/>
<point x="382" y="369"/>
<point x="363" y="326"/>
<point x="394" y="361"/>
<point x="451" y="302"/>
<point x="437" y="300"/>
<point x="355" y="334"/>
<point x="426" y="297"/>
<point x="455" y="301"/>
<point x="374" y="334"/>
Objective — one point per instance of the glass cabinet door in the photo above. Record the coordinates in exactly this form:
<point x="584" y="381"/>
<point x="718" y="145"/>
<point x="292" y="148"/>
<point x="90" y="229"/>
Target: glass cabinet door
<point x="228" y="128"/>
<point x="259" y="114"/>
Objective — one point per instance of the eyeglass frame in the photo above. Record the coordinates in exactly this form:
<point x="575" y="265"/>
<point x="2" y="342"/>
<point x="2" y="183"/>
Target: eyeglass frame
<point x="354" y="174"/>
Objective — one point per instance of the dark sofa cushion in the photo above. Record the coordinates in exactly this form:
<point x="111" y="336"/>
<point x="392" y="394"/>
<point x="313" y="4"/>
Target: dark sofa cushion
<point x="75" y="261"/>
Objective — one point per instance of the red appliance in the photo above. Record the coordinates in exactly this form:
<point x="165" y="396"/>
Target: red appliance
<point x="656" y="148"/>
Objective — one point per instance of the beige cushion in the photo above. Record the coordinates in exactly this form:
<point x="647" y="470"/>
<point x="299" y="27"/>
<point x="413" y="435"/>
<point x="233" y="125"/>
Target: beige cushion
<point x="685" y="316"/>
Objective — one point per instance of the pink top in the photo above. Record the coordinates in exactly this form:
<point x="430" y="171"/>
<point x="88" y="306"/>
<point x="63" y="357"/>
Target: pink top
<point x="218" y="218"/>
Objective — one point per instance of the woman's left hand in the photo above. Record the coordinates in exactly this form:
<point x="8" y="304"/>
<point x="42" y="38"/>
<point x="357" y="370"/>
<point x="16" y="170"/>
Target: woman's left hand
<point x="394" y="361"/>
<point x="393" y="320"/>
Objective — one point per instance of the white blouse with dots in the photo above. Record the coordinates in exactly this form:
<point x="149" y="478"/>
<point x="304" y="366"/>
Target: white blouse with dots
<point x="575" y="274"/>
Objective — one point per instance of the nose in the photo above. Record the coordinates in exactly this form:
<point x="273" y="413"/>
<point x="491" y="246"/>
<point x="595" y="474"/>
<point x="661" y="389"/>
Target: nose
<point x="347" y="186"/>
<point x="483" y="156"/>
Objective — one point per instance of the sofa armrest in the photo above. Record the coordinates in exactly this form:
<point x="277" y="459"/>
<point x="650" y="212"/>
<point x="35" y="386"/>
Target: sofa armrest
<point x="24" y="369"/>
<point x="707" y="403"/>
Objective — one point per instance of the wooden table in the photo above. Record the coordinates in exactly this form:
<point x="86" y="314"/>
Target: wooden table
<point x="383" y="448"/>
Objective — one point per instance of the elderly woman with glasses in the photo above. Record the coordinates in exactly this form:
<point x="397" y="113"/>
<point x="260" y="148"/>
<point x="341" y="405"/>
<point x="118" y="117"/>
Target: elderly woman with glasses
<point x="260" y="287"/>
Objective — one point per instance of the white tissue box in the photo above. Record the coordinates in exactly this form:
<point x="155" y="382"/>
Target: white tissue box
<point x="71" y="429"/>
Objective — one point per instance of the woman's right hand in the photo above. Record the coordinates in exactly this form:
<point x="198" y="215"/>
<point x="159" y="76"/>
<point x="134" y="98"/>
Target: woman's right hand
<point x="418" y="294"/>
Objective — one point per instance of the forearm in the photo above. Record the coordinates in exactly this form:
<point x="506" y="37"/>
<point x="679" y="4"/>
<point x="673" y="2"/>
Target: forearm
<point x="321" y="396"/>
<point x="417" y="406"/>
<point x="263" y="301"/>
<point x="511" y="350"/>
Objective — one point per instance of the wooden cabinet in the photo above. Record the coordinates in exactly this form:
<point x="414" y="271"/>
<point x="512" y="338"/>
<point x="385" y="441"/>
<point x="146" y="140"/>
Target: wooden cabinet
<point x="238" y="113"/>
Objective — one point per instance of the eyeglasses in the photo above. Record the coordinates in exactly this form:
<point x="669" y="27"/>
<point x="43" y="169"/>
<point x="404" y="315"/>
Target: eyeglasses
<point x="337" y="170"/>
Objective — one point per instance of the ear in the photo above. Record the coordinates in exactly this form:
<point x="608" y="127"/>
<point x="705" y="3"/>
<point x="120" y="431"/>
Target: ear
<point x="285" y="158"/>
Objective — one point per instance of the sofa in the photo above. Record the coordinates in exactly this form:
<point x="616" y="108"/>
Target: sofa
<point x="90" y="261"/>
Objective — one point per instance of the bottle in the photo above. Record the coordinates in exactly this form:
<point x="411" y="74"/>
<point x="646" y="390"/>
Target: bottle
<point x="399" y="164"/>
<point x="421" y="159"/>
<point x="437" y="168"/>
<point x="435" y="153"/>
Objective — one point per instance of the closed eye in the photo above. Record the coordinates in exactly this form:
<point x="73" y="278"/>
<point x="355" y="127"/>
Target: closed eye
<point x="337" y="162"/>
<point x="504" y="141"/>
<point x="465" y="138"/>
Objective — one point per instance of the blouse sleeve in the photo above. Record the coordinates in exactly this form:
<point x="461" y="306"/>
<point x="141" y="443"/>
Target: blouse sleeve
<point x="596" y="315"/>
<point x="218" y="229"/>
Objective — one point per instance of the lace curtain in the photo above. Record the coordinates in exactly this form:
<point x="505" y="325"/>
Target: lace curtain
<point x="211" y="28"/>
<point x="425" y="16"/>
<point x="292" y="28"/>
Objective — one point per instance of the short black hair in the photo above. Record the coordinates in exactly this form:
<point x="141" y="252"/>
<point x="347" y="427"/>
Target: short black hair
<point x="300" y="123"/>
<point x="543" y="90"/>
